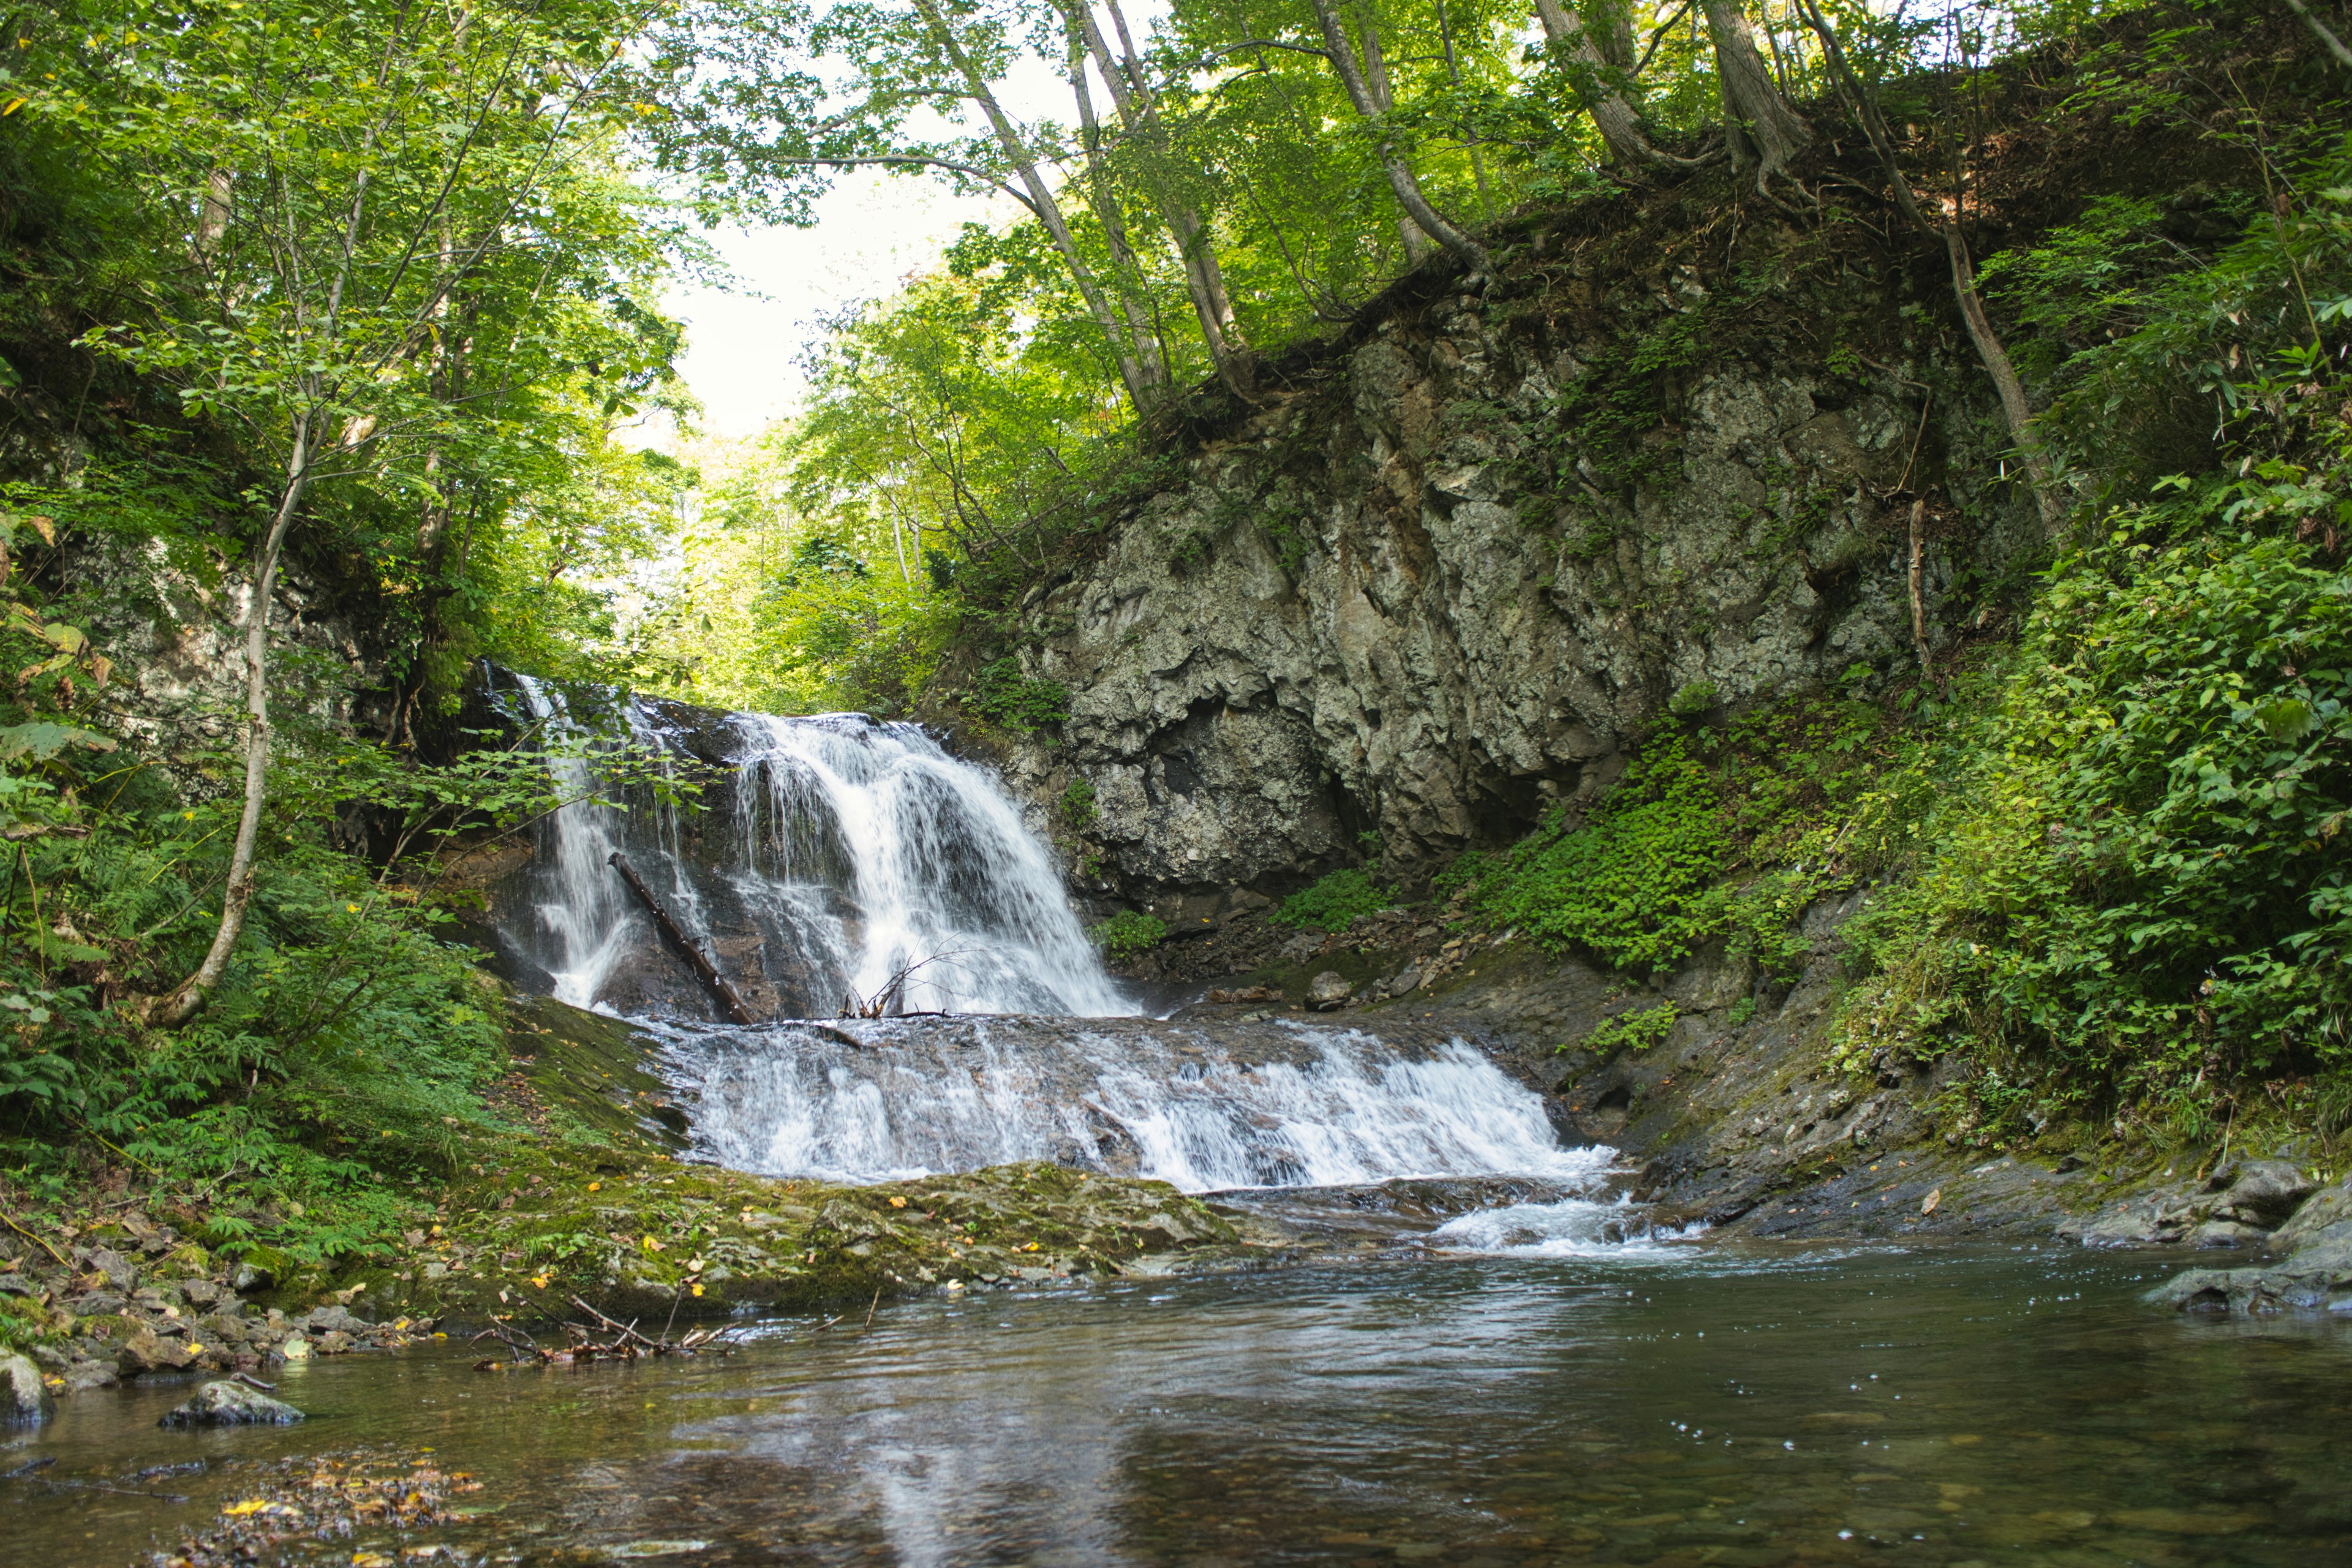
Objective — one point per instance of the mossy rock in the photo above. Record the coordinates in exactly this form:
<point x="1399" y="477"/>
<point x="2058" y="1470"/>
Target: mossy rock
<point x="591" y="1077"/>
<point x="659" y="1236"/>
<point x="185" y="1261"/>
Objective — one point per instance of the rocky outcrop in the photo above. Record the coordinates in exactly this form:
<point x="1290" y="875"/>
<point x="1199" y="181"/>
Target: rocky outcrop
<point x="2311" y="1269"/>
<point x="225" y="1404"/>
<point x="1407" y="605"/>
<point x="2239" y="1204"/>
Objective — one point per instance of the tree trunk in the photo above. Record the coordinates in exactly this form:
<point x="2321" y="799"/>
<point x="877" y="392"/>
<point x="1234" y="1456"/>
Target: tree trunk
<point x="2323" y="32"/>
<point x="1757" y="121"/>
<point x="1401" y="177"/>
<point x="1135" y="368"/>
<point x="182" y="1003"/>
<point x="1133" y="289"/>
<point x="1620" y="127"/>
<point x="1139" y="114"/>
<point x="213" y="215"/>
<point x="2015" y="411"/>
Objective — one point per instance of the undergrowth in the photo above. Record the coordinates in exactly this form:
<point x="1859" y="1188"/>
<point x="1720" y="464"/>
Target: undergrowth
<point x="1335" y="901"/>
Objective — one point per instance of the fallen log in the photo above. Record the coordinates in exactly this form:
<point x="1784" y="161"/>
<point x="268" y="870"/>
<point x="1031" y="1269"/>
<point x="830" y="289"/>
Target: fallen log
<point x="704" y="969"/>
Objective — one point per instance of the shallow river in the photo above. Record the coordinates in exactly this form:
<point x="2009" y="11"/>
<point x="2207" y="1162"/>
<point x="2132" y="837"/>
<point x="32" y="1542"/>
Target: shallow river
<point x="1688" y="1405"/>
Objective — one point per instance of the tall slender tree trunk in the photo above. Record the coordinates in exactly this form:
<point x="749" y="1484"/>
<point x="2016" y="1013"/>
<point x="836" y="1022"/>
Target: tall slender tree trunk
<point x="1758" y="124"/>
<point x="1588" y="69"/>
<point x="1134" y="292"/>
<point x="1138" y="113"/>
<point x="182" y="1003"/>
<point x="2016" y="412"/>
<point x="1400" y="173"/>
<point x="1135" y="360"/>
<point x="1469" y="138"/>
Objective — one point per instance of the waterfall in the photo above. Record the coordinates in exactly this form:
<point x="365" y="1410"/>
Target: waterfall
<point x="948" y="887"/>
<point x="1236" y="1106"/>
<point x="835" y="858"/>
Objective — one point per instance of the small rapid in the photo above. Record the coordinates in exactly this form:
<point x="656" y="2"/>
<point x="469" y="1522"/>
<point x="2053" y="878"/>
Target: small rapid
<point x="1268" y="1105"/>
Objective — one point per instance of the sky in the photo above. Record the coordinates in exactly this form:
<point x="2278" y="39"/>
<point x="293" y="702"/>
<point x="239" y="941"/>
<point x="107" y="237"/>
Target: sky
<point x="872" y="228"/>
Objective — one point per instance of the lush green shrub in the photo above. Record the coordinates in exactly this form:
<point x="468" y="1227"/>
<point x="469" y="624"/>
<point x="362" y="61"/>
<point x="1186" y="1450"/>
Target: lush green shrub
<point x="1334" y="902"/>
<point x="1079" y="803"/>
<point x="1638" y="883"/>
<point x="1633" y="1031"/>
<point x="2141" y="887"/>
<point x="1129" y="932"/>
<point x="1003" y="696"/>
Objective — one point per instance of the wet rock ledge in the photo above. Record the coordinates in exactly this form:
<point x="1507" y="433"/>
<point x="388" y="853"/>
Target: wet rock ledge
<point x="2309" y="1266"/>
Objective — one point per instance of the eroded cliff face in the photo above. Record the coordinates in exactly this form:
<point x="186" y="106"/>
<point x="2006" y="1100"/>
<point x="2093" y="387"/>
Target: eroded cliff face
<point x="1445" y="579"/>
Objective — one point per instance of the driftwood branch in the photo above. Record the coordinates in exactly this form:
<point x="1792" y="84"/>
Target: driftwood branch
<point x="704" y="968"/>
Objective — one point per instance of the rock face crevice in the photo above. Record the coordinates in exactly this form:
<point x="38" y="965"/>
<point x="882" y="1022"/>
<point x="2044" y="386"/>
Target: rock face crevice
<point x="1397" y="613"/>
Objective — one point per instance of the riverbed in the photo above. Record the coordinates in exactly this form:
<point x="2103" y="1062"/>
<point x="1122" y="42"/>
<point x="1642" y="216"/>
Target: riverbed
<point x="1661" y="1402"/>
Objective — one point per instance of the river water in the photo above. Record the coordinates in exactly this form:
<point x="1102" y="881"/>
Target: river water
<point x="1667" y="1405"/>
<point x="1538" y="1379"/>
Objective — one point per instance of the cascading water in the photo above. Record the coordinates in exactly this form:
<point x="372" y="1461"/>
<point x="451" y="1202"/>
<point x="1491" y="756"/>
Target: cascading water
<point x="842" y="859"/>
<point x="849" y="861"/>
<point x="905" y="868"/>
<point x="1239" y="1106"/>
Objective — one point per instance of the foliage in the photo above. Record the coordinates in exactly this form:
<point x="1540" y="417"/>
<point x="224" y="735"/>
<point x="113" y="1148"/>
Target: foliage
<point x="2137" y="900"/>
<point x="1130" y="933"/>
<point x="1709" y="835"/>
<point x="1005" y="696"/>
<point x="1635" y="884"/>
<point x="1637" y="1030"/>
<point x="1335" y="901"/>
<point x="1079" y="803"/>
<point x="2140" y="892"/>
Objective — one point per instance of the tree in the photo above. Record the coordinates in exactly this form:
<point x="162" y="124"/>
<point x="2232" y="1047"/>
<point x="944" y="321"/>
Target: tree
<point x="1759" y="124"/>
<point x="1595" y="75"/>
<point x="1994" y="355"/>
<point x="1364" y="72"/>
<point x="375" y="208"/>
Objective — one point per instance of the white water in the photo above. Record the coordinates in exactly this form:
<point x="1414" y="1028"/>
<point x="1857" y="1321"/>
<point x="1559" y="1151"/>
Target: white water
<point x="1570" y="1228"/>
<point x="950" y="888"/>
<point x="854" y="860"/>
<point x="866" y="863"/>
<point x="584" y="912"/>
<point x="1291" y="1106"/>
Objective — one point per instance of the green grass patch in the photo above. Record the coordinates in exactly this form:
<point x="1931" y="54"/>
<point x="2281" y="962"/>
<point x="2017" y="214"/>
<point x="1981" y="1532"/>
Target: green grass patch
<point x="1335" y="902"/>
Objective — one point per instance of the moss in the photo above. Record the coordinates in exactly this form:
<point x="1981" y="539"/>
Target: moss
<point x="637" y="1233"/>
<point x="187" y="1261"/>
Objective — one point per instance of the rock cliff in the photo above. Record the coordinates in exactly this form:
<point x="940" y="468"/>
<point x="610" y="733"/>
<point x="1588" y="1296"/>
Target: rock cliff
<point x="1442" y="576"/>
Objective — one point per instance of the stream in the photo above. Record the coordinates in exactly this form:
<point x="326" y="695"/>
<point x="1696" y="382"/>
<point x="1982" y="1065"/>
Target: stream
<point x="1495" y="1359"/>
<point x="1663" y="1405"/>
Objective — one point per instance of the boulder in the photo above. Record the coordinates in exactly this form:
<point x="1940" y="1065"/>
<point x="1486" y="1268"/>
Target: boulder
<point x="147" y="1350"/>
<point x="2316" y="1278"/>
<point x="2319" y="1214"/>
<point x="91" y="1373"/>
<point x="332" y="1320"/>
<point x="2262" y="1192"/>
<point x="1328" y="990"/>
<point x="24" y="1399"/>
<point x="334" y="1341"/>
<point x="201" y="1293"/>
<point x="226" y="1403"/>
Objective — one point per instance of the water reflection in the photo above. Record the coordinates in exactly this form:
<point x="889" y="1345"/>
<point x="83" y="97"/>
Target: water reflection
<point x="1701" y="1406"/>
